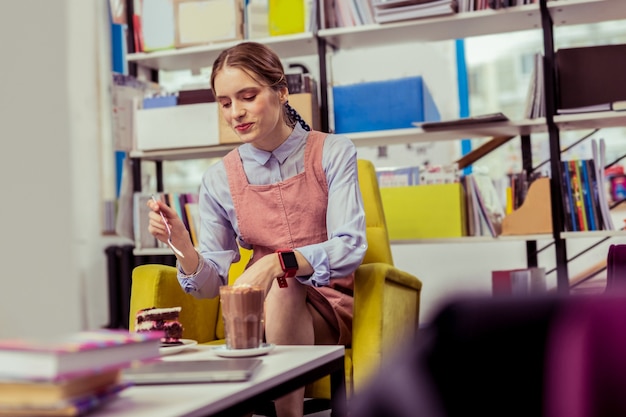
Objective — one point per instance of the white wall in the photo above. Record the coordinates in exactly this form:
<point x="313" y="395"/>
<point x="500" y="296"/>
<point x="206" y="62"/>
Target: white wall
<point x="50" y="120"/>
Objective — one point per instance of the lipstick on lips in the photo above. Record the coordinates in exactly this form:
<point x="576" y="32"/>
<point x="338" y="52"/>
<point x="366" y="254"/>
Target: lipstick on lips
<point x="241" y="128"/>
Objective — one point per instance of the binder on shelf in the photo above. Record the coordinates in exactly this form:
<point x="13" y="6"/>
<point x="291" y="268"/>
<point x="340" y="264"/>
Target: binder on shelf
<point x="286" y="17"/>
<point x="383" y="105"/>
<point x="424" y="211"/>
<point x="534" y="216"/>
<point x="157" y="27"/>
<point x="177" y="127"/>
<point x="118" y="48"/>
<point x="590" y="76"/>
<point x="201" y="22"/>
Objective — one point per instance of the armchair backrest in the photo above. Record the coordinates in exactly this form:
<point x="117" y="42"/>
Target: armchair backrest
<point x="379" y="248"/>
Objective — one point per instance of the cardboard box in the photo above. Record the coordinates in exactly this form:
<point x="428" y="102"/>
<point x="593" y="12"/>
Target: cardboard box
<point x="424" y="211"/>
<point x="303" y="103"/>
<point x="177" y="127"/>
<point x="382" y="105"/>
<point x="200" y="22"/>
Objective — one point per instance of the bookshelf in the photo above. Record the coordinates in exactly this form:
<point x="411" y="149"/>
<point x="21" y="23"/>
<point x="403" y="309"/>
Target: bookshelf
<point x="196" y="57"/>
<point x="543" y="16"/>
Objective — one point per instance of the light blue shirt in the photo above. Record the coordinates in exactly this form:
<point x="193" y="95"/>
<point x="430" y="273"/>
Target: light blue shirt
<point x="339" y="256"/>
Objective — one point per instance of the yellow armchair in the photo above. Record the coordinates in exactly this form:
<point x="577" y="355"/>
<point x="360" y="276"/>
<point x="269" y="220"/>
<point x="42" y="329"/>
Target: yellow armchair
<point x="386" y="299"/>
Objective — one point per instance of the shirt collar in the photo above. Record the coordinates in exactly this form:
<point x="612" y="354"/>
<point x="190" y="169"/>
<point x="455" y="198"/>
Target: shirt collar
<point x="288" y="147"/>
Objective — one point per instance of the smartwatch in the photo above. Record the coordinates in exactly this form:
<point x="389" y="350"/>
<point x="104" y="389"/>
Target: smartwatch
<point x="289" y="264"/>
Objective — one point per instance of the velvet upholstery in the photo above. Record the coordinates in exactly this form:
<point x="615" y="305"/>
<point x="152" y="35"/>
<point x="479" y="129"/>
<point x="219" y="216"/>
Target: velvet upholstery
<point x="386" y="299"/>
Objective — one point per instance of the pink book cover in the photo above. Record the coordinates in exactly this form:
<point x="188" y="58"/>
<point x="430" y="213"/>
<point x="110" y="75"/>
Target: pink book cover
<point x="81" y="341"/>
<point x="77" y="354"/>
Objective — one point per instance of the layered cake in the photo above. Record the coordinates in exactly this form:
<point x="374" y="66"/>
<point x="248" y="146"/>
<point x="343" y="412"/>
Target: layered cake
<point x="163" y="319"/>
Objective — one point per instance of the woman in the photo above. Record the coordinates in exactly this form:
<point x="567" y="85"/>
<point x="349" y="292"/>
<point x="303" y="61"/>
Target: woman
<point x="285" y="189"/>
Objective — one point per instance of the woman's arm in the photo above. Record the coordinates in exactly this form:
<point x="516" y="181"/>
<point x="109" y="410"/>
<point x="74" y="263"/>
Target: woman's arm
<point x="345" y="248"/>
<point x="218" y="245"/>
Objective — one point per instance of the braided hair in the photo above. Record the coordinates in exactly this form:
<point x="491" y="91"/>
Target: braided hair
<point x="262" y="63"/>
<point x="294" y="117"/>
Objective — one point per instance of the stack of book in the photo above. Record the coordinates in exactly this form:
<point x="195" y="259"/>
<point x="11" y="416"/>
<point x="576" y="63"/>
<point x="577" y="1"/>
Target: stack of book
<point x="585" y="201"/>
<point x="518" y="282"/>
<point x="71" y="375"/>
<point x="396" y="10"/>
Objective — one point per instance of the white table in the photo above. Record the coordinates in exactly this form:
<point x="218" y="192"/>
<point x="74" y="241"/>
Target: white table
<point x="284" y="369"/>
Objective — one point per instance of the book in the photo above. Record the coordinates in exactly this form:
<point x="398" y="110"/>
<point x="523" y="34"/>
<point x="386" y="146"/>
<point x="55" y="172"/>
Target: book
<point x="193" y="217"/>
<point x="77" y="406"/>
<point x="619" y="105"/>
<point x="414" y="11"/>
<point x="473" y="223"/>
<point x="571" y="222"/>
<point x="583" y="195"/>
<point x="463" y="122"/>
<point x="72" y="355"/>
<point x="577" y="197"/>
<point x="599" y="156"/>
<point x="588" y="196"/>
<point x="518" y="282"/>
<point x="25" y="393"/>
<point x="595" y="196"/>
<point x="489" y="202"/>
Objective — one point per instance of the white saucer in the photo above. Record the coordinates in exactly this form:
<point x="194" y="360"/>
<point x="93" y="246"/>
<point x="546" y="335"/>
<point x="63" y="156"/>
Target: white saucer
<point x="171" y="349"/>
<point x="223" y="351"/>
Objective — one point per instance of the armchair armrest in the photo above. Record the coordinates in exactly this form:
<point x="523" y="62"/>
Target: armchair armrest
<point x="386" y="313"/>
<point x="157" y="286"/>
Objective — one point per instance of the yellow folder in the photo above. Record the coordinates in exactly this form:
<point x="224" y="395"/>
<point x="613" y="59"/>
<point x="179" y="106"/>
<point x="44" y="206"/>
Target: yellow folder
<point x="424" y="211"/>
<point x="286" y="17"/>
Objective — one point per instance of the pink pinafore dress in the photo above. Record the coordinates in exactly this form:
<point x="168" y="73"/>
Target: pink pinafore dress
<point x="292" y="214"/>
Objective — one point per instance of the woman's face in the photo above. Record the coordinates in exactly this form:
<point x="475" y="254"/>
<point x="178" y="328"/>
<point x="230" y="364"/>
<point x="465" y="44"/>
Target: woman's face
<point x="254" y="111"/>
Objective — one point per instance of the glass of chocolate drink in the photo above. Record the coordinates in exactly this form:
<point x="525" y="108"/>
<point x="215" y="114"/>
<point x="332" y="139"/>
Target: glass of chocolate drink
<point x="242" y="312"/>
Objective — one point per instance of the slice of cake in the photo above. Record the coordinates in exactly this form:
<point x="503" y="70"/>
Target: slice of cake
<point x="163" y="319"/>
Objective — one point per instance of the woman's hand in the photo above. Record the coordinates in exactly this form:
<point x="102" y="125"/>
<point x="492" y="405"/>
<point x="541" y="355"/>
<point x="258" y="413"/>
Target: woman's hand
<point x="262" y="273"/>
<point x="180" y="236"/>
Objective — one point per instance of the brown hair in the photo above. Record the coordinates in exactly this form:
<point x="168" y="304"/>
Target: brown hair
<point x="261" y="63"/>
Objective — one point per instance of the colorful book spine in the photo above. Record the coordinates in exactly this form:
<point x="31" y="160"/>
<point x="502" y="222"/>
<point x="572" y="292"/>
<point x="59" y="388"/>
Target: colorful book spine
<point x="568" y="202"/>
<point x="587" y="194"/>
<point x="576" y="196"/>
<point x="581" y="192"/>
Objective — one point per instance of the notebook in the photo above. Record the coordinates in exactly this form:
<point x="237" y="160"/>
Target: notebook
<point x="197" y="371"/>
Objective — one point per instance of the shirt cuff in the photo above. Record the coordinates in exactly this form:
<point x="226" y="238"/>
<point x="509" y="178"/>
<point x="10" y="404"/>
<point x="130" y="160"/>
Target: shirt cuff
<point x="316" y="256"/>
<point x="182" y="274"/>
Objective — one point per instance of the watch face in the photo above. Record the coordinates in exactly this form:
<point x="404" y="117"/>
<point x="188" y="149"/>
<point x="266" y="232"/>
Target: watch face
<point x="289" y="260"/>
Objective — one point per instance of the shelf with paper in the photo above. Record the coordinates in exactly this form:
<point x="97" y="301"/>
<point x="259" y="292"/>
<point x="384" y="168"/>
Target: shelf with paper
<point x="181" y="154"/>
<point x="373" y="138"/>
<point x="196" y="57"/>
<point x="473" y="239"/>
<point x="592" y="120"/>
<point x="477" y="23"/>
<point x="592" y="234"/>
<point x="443" y="240"/>
<point x="410" y="135"/>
